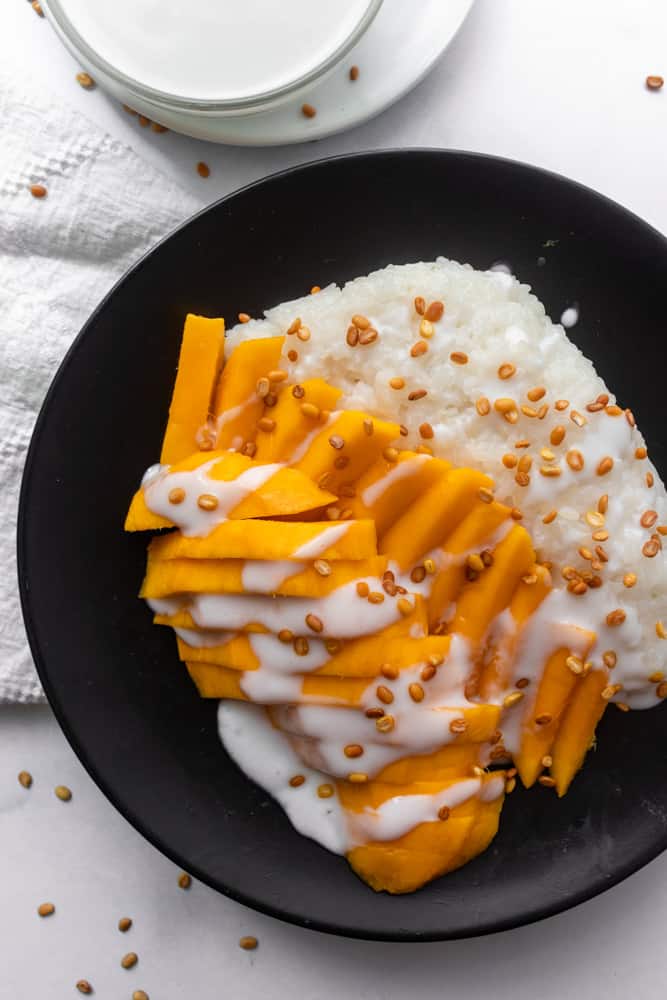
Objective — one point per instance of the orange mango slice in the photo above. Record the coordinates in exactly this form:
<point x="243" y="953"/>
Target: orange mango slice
<point x="292" y="425"/>
<point x="387" y="489"/>
<point x="236" y="406"/>
<point x="577" y="729"/>
<point x="345" y="441"/>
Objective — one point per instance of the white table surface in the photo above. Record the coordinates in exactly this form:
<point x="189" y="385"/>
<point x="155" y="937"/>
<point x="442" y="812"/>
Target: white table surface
<point x="558" y="83"/>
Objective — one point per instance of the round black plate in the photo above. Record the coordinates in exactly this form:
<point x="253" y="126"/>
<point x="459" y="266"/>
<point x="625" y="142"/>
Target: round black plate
<point x="125" y="702"/>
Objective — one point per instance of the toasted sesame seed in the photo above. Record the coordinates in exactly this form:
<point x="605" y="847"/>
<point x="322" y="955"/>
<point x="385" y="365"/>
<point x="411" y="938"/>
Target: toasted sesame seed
<point x="485" y="495"/>
<point x="38" y="191"/>
<point x="483" y="406"/>
<point x="124" y="924"/>
<point x="504" y="405"/>
<point x="574" y="459"/>
<point x="277" y="375"/>
<point x="325" y="791"/>
<point x="369" y="427"/>
<point x="609" y="659"/>
<point x="421" y="347"/>
<point x="63" y="793"/>
<point x="203" y="170"/>
<point x="509" y="460"/>
<point x="37" y="7"/>
<point x="207" y="501"/>
<point x="303" y="334"/>
<point x="544" y="719"/>
<point x="353" y="750"/>
<point x="649" y="479"/>
<point x="534" y="395"/>
<point x="83" y="986"/>
<point x="285" y="635"/>
<point x="577" y="587"/>
<point x="369" y="336"/>
<point x="616" y="617"/>
<point x="603" y="503"/>
<point x="314" y="623"/>
<point x="656" y="677"/>
<point x="654" y="82"/>
<point x="444" y="813"/>
<point x="184" y="880"/>
<point x="428" y="672"/>
<point x="512" y="699"/>
<point x="391" y="454"/>
<point x="294" y="326"/>
<point x="385" y="724"/>
<point x="363" y="589"/>
<point x="420" y="305"/>
<point x="516" y="514"/>
<point x="458" y="726"/>
<point x="417" y="394"/>
<point x="548" y="782"/>
<point x="429" y="566"/>
<point x="248" y="942"/>
<point x="605" y="466"/>
<point x="375" y="597"/>
<point x="426" y="329"/>
<point x="85" y="80"/>
<point x="322" y="567"/>
<point x="458" y="358"/>
<point x="550" y="517"/>
<point x="506" y="370"/>
<point x="384" y="694"/>
<point x="640" y="453"/>
<point x="648" y="518"/>
<point x="529" y="411"/>
<point x="46" y="909"/>
<point x="557" y="435"/>
<point x="25" y="779"/>
<point x="609" y="691"/>
<point x="357" y="777"/>
<point x="584" y="552"/>
<point x="630" y="417"/>
<point x="337" y="442"/>
<point x="525" y="463"/>
<point x="352" y="336"/>
<point x="577" y="418"/>
<point x="416" y="692"/>
<point x="397" y="382"/>
<point x="301" y="646"/>
<point x="297" y="780"/>
<point x="550" y="471"/>
<point x="575" y="665"/>
<point x="389" y="671"/>
<point x="650" y="548"/>
<point x="561" y="404"/>
<point x="405" y="607"/>
<point x="523" y="443"/>
<point x="361" y="322"/>
<point x="435" y="311"/>
<point x="308" y="111"/>
<point x="129" y="960"/>
<point x="660" y="630"/>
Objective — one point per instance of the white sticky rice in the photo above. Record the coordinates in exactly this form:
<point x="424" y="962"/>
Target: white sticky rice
<point x="494" y="319"/>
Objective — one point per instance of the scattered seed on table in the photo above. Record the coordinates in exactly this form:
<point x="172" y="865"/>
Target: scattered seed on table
<point x="354" y="72"/>
<point x="129" y="960"/>
<point x="140" y="995"/>
<point x="184" y="880"/>
<point x="37" y="7"/>
<point x="25" y="779"/>
<point x="83" y="986"/>
<point x="308" y="111"/>
<point x="143" y="121"/>
<point x="124" y="924"/>
<point x="86" y="81"/>
<point x="248" y="943"/>
<point x="203" y="169"/>
<point x="46" y="909"/>
<point x="156" y="127"/>
<point x="63" y="793"/>
<point x="38" y="191"/>
<point x="652" y="82"/>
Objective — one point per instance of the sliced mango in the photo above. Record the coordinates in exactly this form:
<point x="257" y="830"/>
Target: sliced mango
<point x="199" y="362"/>
<point x="237" y="406"/>
<point x="387" y="489"/>
<point x="292" y="425"/>
<point x="345" y="442"/>
<point x="433" y="516"/>
<point x="272" y="540"/>
<point x="577" y="729"/>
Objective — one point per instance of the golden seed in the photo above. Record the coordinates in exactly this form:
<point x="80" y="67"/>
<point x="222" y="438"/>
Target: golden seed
<point x="550" y="471"/>
<point x="616" y="617"/>
<point x="475" y="563"/>
<point x="530" y="579"/>
<point x="405" y="607"/>
<point x="594" y="518"/>
<point x="529" y="411"/>
<point x="248" y="943"/>
<point x="577" y="418"/>
<point x="325" y="791"/>
<point x="534" y="395"/>
<point x="557" y="435"/>
<point x="544" y="719"/>
<point x="483" y="406"/>
<point x="361" y="322"/>
<point x="391" y="454"/>
<point x="425" y="431"/>
<point x="613" y="410"/>
<point x="46" y="909"/>
<point x="301" y="646"/>
<point x="354" y="73"/>
<point x="605" y="466"/>
<point x="124" y="924"/>
<point x="363" y="589"/>
<point x="322" y="567"/>
<point x="523" y="443"/>
<point x="337" y="442"/>
<point x="375" y="597"/>
<point x="385" y="724"/>
<point x="389" y="671"/>
<point x="352" y="336"/>
<point x="640" y="453"/>
<point x="417" y="394"/>
<point x="184" y="880"/>
<point x="649" y="479"/>
<point x="459" y="358"/>
<point x="654" y="82"/>
<point x="294" y="326"/>
<point x="516" y="514"/>
<point x="177" y="495"/>
<point x="268" y="423"/>
<point x="630" y="417"/>
<point x="297" y="780"/>
<point x="83" y="986"/>
<point x="648" y="518"/>
<point x="547" y="760"/>
<point x="353" y="750"/>
<point x="310" y="410"/>
<point x="63" y="793"/>
<point x="444" y="812"/>
<point x="575" y="460"/>
<point x="504" y="405"/>
<point x="203" y="169"/>
<point x="85" y="80"/>
<point x="38" y="191"/>
<point x="369" y="427"/>
<point x="421" y="347"/>
<point x="206" y="501"/>
<point x="435" y="311"/>
<point x="308" y="111"/>
<point x="25" y="779"/>
<point x="506" y="370"/>
<point x="650" y="548"/>
<point x="485" y="495"/>
<point x="315" y="289"/>
<point x="303" y="334"/>
<point x="542" y="412"/>
<point x="396" y="382"/>
<point x="525" y="463"/>
<point x="609" y="691"/>
<point x="129" y="960"/>
<point x="561" y="404"/>
<point x="416" y="692"/>
<point x="622" y="706"/>
<point x="550" y="517"/>
<point x="603" y="503"/>
<point x="420" y="305"/>
<point x="609" y="659"/>
<point x="426" y="329"/>
<point x="418" y="574"/>
<point x="357" y="777"/>
<point x="512" y="699"/>
<point x="574" y="664"/>
<point x="368" y="336"/>
<point x="545" y="780"/>
<point x="427" y="673"/>
<point x="37" y="7"/>
<point x="140" y="995"/>
<point x="384" y="694"/>
<point x="285" y="635"/>
<point x="584" y="552"/>
<point x="293" y="356"/>
<point x="429" y="566"/>
<point x="509" y="460"/>
<point x="661" y="690"/>
<point x="277" y="375"/>
<point x="458" y="726"/>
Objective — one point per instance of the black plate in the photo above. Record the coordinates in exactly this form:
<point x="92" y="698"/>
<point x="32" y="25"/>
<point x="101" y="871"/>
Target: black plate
<point x="126" y="704"/>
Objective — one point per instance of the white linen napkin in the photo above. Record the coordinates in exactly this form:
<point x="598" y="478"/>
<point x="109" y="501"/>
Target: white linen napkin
<point x="59" y="255"/>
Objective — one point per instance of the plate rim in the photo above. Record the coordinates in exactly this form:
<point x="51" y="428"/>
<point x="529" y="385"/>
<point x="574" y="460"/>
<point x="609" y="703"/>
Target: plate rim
<point x="530" y="915"/>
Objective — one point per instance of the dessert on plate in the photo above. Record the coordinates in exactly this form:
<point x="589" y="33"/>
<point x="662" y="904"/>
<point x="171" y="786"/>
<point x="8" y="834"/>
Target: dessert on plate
<point x="414" y="545"/>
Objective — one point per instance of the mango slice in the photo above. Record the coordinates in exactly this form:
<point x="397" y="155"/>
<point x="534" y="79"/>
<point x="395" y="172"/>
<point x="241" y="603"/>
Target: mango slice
<point x="343" y="449"/>
<point x="198" y="366"/>
<point x="273" y="540"/>
<point x="293" y="426"/>
<point x="387" y="489"/>
<point x="237" y="407"/>
<point x="577" y="729"/>
<point x="433" y="516"/>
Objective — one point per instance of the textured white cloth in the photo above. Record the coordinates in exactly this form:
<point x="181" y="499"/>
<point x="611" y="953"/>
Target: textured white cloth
<point x="58" y="256"/>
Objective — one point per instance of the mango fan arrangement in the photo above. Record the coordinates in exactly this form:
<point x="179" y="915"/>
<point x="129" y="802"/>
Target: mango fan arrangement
<point x="378" y="603"/>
